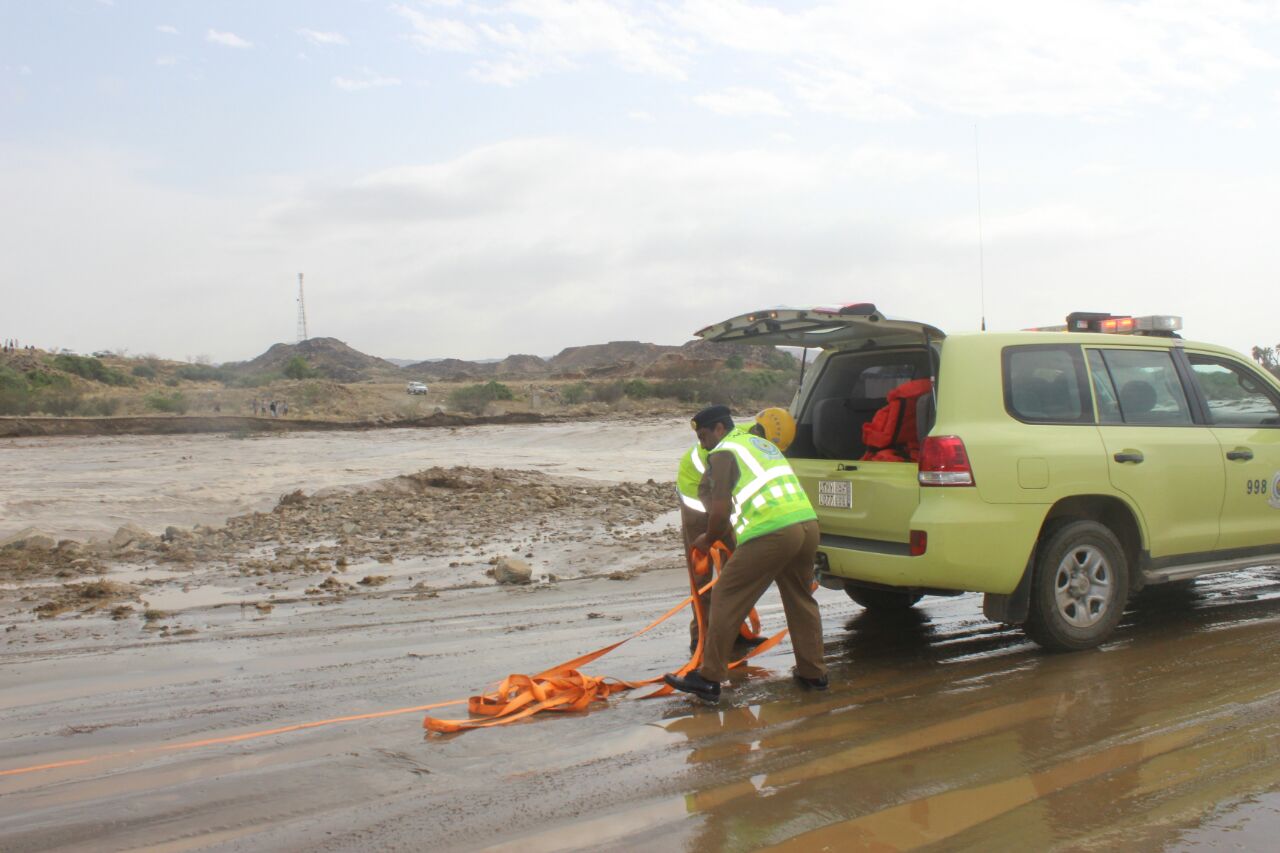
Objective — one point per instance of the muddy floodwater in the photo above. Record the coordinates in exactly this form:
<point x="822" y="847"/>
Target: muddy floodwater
<point x="82" y="487"/>
<point x="940" y="731"/>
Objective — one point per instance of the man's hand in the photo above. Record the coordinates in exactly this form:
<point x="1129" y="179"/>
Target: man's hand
<point x="701" y="544"/>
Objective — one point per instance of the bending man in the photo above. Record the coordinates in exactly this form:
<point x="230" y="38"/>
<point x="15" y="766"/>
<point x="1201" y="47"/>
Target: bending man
<point x="754" y="493"/>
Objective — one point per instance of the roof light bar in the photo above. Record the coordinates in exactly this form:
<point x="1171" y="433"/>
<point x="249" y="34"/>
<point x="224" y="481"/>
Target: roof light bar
<point x="1116" y="324"/>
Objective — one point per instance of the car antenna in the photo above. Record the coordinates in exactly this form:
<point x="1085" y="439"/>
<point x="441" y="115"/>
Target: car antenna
<point x="982" y="267"/>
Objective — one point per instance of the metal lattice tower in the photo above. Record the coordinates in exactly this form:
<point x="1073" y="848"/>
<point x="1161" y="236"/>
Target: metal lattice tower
<point x="302" y="313"/>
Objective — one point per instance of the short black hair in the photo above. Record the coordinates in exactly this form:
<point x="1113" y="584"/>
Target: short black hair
<point x="712" y="415"/>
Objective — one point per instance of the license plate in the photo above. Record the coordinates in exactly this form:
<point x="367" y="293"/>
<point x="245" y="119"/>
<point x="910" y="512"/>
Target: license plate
<point x="835" y="493"/>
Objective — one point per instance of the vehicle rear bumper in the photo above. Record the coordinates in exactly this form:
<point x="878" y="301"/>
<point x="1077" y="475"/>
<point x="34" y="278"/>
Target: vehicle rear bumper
<point x="972" y="546"/>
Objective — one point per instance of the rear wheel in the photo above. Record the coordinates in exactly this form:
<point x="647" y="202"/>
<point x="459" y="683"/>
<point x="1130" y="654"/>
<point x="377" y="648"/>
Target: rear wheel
<point x="1080" y="587"/>
<point x="881" y="599"/>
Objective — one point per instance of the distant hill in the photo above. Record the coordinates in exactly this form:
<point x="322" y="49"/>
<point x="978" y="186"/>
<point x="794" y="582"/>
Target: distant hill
<point x="587" y="358"/>
<point x="329" y="357"/>
<point x="333" y="359"/>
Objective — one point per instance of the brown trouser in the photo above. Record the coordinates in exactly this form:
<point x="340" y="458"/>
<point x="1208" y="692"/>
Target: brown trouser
<point x="784" y="557"/>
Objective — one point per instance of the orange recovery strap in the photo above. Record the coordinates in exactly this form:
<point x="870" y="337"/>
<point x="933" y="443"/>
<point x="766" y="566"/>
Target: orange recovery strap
<point x="564" y="688"/>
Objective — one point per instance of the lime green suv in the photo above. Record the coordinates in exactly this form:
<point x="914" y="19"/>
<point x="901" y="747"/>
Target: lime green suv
<point x="1055" y="471"/>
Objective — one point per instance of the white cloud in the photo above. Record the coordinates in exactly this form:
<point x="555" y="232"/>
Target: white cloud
<point x="321" y="39"/>
<point x="522" y="39"/>
<point x="992" y="57"/>
<point x="167" y="29"/>
<point x="167" y="60"/>
<point x="848" y="95"/>
<point x="640" y="115"/>
<point x="439" y="33"/>
<point x="567" y="243"/>
<point x="227" y="39"/>
<point x="369" y="80"/>
<point x="740" y="101"/>
<point x="1092" y="59"/>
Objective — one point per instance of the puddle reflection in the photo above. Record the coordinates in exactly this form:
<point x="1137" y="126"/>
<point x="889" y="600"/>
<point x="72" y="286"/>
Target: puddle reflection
<point x="938" y="730"/>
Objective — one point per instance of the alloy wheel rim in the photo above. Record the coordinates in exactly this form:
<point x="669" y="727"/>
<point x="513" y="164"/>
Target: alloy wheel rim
<point x="1082" y="586"/>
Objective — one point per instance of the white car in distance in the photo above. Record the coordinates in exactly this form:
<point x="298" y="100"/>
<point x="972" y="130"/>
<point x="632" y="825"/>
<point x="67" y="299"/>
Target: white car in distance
<point x="416" y="388"/>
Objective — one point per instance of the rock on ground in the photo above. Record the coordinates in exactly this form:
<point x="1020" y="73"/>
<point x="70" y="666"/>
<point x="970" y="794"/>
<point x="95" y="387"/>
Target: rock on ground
<point x="29" y="538"/>
<point x="512" y="570"/>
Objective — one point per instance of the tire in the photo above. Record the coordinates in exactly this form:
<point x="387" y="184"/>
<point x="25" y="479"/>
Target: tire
<point x="881" y="600"/>
<point x="1080" y="587"/>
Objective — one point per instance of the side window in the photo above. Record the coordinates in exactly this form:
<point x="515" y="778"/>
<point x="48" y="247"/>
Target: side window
<point x="1236" y="396"/>
<point x="1148" y="390"/>
<point x="1104" y="390"/>
<point x="1045" y="383"/>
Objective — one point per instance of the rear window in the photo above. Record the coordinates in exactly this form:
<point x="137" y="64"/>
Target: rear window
<point x="878" y="380"/>
<point x="1046" y="384"/>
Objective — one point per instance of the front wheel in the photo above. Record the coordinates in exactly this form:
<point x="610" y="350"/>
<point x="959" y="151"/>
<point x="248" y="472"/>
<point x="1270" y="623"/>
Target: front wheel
<point x="1080" y="587"/>
<point x="881" y="600"/>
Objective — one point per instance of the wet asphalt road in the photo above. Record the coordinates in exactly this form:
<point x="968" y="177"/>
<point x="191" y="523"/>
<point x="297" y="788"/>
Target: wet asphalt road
<point x="941" y="730"/>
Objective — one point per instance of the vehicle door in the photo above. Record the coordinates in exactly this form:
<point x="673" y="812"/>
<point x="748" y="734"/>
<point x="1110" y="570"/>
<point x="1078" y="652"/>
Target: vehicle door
<point x="1243" y="411"/>
<point x="1157" y="454"/>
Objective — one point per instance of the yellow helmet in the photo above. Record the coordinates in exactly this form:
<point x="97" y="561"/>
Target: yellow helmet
<point x="779" y="426"/>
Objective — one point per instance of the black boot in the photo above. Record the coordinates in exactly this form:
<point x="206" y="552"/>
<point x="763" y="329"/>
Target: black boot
<point x="707" y="691"/>
<point x="821" y="683"/>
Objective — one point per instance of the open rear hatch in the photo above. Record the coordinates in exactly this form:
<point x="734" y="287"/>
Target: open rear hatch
<point x="862" y="505"/>
<point x="820" y="327"/>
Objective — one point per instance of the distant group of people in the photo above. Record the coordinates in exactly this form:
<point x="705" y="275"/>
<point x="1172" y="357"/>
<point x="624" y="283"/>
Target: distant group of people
<point x="11" y="345"/>
<point x="274" y="408"/>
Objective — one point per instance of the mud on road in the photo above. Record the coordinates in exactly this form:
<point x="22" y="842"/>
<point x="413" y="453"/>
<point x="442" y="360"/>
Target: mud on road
<point x="941" y="729"/>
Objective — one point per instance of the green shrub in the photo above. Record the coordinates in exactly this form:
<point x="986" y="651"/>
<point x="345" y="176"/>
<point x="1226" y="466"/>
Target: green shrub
<point x="90" y="368"/>
<point x="776" y="359"/>
<point x="732" y="387"/>
<point x="203" y="373"/>
<point x="37" y="379"/>
<point x="101" y="406"/>
<point x="59" y="403"/>
<point x="608" y="392"/>
<point x="15" y="401"/>
<point x="637" y="389"/>
<point x="297" y="368"/>
<point x="144" y="371"/>
<point x="11" y="379"/>
<point x="474" y="398"/>
<point x="574" y="394"/>
<point x="733" y="362"/>
<point x="175" y="403"/>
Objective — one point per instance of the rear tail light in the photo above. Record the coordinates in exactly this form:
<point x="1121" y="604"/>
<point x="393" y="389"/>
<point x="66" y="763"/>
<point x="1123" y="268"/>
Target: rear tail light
<point x="919" y="542"/>
<point x="944" y="462"/>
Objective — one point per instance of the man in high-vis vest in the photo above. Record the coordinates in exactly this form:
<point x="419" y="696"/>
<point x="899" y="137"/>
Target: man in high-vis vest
<point x="693" y="490"/>
<point x="754" y="493"/>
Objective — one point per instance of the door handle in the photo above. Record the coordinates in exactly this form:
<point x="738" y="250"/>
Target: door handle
<point x="1134" y="456"/>
<point x="1243" y="454"/>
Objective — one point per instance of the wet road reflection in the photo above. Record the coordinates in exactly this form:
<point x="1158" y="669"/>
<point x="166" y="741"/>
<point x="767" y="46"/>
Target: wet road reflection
<point x="943" y="729"/>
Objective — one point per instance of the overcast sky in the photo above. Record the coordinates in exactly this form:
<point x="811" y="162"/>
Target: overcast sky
<point x="474" y="179"/>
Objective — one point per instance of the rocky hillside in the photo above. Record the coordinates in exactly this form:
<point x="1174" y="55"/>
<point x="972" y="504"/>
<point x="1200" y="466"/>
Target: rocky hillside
<point x="614" y="359"/>
<point x="328" y="357"/>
